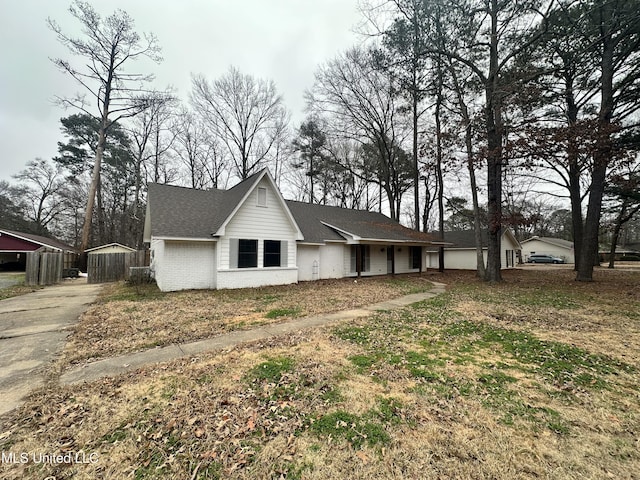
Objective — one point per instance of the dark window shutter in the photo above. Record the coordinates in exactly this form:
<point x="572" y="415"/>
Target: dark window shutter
<point x="233" y="253"/>
<point x="284" y="253"/>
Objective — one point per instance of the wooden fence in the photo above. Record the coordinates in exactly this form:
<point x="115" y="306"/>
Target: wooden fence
<point x="44" y="268"/>
<point x="111" y="267"/>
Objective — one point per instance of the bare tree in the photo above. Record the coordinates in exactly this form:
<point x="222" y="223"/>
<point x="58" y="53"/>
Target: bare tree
<point x="199" y="151"/>
<point x="615" y="29"/>
<point x="591" y="101"/>
<point x="147" y="151"/>
<point x="12" y="207"/>
<point x="245" y="113"/>
<point x="361" y="103"/>
<point x="41" y="185"/>
<point x="624" y="190"/>
<point x="106" y="48"/>
<point x="487" y="37"/>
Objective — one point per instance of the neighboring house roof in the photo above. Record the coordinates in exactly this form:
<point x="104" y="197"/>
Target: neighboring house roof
<point x="619" y="250"/>
<point x="178" y="212"/>
<point x="557" y="242"/>
<point x="114" y="244"/>
<point x="39" y="240"/>
<point x="466" y="239"/>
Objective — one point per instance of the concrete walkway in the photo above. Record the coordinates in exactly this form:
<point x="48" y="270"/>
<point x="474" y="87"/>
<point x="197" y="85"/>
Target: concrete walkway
<point x="125" y="363"/>
<point x="33" y="330"/>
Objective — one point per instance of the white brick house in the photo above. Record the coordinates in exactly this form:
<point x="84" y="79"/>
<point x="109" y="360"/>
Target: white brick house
<point x="460" y="253"/>
<point x="250" y="236"/>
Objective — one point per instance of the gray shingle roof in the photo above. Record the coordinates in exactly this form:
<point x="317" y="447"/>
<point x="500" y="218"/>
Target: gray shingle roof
<point x="188" y="213"/>
<point x="465" y="238"/>
<point x="314" y="219"/>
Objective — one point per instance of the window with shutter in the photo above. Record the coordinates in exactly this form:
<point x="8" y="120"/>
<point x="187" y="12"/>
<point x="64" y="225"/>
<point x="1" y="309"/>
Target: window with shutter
<point x="365" y="257"/>
<point x="272" y="253"/>
<point x="247" y="253"/>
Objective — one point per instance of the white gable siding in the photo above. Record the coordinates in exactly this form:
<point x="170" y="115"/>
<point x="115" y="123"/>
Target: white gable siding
<point x="183" y="265"/>
<point x="257" y="222"/>
<point x="261" y="223"/>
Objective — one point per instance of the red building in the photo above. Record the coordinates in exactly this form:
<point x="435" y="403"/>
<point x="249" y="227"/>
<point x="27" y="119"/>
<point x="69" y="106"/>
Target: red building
<point x="14" y="247"/>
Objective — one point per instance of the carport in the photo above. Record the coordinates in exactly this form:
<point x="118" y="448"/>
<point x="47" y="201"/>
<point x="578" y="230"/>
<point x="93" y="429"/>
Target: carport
<point x="14" y="247"/>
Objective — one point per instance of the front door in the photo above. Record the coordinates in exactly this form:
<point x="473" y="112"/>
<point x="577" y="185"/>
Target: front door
<point x="390" y="260"/>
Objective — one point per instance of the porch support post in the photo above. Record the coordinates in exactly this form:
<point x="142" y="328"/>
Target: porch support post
<point x="393" y="260"/>
<point x="359" y="260"/>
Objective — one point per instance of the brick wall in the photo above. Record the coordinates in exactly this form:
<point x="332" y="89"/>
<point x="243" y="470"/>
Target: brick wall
<point x="183" y="265"/>
<point x="256" y="277"/>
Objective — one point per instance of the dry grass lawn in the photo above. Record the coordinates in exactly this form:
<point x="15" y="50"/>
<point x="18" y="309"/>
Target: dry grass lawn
<point x="533" y="378"/>
<point x="129" y="318"/>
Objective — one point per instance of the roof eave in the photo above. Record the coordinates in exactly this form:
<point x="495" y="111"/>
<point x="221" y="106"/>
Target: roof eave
<point x="184" y="239"/>
<point x="30" y="240"/>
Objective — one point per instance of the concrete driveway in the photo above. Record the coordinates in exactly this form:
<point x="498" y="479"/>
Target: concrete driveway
<point x="33" y="330"/>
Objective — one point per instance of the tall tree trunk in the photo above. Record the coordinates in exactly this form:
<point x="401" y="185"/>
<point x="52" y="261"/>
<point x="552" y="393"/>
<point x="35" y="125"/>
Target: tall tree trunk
<point x="440" y="179"/>
<point x="468" y="140"/>
<point x="477" y="226"/>
<point x="428" y="203"/>
<point x="415" y="98"/>
<point x="416" y="170"/>
<point x="615" y="236"/>
<point x="493" y="123"/>
<point x="603" y="151"/>
<point x="95" y="180"/>
<point x="575" y="194"/>
<point x="100" y="214"/>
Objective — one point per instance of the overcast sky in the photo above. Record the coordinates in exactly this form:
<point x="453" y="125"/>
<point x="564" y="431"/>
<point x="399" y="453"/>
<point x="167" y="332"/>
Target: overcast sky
<point x="282" y="40"/>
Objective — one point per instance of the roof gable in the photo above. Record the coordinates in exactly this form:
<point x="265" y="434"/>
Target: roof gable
<point x="238" y="197"/>
<point x="39" y="240"/>
<point x="109" y="245"/>
<point x="188" y="213"/>
<point x="185" y="213"/>
<point x="558" y="242"/>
